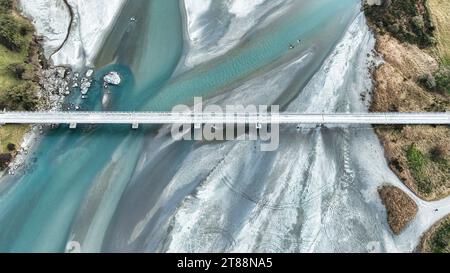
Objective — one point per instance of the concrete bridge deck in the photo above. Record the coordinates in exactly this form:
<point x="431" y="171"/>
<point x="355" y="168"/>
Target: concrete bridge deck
<point x="137" y="118"/>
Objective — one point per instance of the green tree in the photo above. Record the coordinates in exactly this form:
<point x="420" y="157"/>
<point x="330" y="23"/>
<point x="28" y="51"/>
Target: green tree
<point x="443" y="81"/>
<point x="17" y="70"/>
<point x="6" y="6"/>
<point x="20" y="98"/>
<point x="11" y="147"/>
<point x="5" y="159"/>
<point x="13" y="32"/>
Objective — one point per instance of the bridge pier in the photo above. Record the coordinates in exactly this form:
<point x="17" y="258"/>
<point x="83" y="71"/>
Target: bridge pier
<point x="72" y="126"/>
<point x="135" y="126"/>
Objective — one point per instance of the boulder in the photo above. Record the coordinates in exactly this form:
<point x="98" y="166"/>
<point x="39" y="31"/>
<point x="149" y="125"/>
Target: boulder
<point x="112" y="78"/>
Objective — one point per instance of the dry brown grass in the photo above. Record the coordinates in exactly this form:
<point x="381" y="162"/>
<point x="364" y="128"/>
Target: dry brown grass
<point x="397" y="89"/>
<point x="401" y="209"/>
<point x="432" y="182"/>
<point x="440" y="10"/>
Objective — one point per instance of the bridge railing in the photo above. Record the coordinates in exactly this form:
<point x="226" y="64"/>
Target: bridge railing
<point x="217" y="118"/>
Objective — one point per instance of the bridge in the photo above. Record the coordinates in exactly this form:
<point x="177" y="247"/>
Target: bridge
<point x="143" y="118"/>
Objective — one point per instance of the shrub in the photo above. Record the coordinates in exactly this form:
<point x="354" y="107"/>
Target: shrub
<point x="428" y="81"/>
<point x="25" y="28"/>
<point x="6" y="6"/>
<point x="5" y="159"/>
<point x="11" y="147"/>
<point x="12" y="32"/>
<point x="440" y="242"/>
<point x="437" y="82"/>
<point x="443" y="81"/>
<point x="438" y="153"/>
<point x="407" y="20"/>
<point x="418" y="23"/>
<point x="20" y="98"/>
<point x="17" y="70"/>
<point x="394" y="28"/>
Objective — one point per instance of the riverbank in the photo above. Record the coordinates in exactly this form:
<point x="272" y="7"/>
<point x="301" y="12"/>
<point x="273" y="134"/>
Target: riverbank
<point x="437" y="239"/>
<point x="21" y="63"/>
<point x="28" y="83"/>
<point x="51" y="64"/>
<point x="409" y="80"/>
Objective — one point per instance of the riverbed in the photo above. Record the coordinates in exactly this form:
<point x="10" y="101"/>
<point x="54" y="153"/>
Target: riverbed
<point x="110" y="189"/>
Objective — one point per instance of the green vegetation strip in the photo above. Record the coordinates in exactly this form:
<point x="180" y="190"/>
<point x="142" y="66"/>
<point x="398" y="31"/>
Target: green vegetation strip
<point x="440" y="240"/>
<point x="418" y="162"/>
<point x="18" y="91"/>
<point x="407" y="20"/>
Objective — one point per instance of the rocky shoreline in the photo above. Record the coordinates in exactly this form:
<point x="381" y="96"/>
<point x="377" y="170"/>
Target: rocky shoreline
<point x="54" y="84"/>
<point x="27" y="75"/>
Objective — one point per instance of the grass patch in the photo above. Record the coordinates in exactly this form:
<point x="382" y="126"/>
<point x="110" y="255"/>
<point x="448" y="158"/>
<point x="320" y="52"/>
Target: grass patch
<point x="418" y="162"/>
<point x="11" y="134"/>
<point x="10" y="56"/>
<point x="440" y="13"/>
<point x="7" y="58"/>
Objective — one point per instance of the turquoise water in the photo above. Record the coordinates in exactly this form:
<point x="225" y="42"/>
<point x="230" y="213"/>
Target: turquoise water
<point x="38" y="208"/>
<point x="262" y="51"/>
